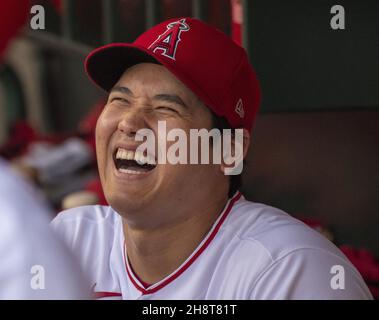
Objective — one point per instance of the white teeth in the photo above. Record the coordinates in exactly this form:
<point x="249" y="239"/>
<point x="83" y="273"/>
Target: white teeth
<point x="132" y="155"/>
<point x="130" y="171"/>
<point x="124" y="154"/>
<point x="129" y="155"/>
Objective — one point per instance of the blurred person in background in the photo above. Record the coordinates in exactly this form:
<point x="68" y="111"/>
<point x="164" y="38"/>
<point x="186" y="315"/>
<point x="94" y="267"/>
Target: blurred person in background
<point x="34" y="264"/>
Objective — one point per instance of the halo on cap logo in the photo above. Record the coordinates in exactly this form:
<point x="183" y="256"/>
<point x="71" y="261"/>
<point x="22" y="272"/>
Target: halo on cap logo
<point x="239" y="108"/>
<point x="168" y="41"/>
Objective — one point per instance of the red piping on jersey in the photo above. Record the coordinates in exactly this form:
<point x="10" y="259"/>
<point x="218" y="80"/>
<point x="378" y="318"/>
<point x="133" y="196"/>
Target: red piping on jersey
<point x="144" y="284"/>
<point x="99" y="295"/>
<point x="189" y="262"/>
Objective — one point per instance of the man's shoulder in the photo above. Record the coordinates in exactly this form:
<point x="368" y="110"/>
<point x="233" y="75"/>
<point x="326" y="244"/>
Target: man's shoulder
<point x="274" y="231"/>
<point x="264" y="244"/>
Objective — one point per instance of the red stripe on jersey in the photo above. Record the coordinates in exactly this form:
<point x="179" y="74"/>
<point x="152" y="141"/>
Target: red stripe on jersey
<point x="99" y="295"/>
<point x="184" y="267"/>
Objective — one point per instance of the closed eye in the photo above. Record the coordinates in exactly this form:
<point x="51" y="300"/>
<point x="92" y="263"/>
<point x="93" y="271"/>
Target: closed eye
<point x="167" y="109"/>
<point x="119" y="99"/>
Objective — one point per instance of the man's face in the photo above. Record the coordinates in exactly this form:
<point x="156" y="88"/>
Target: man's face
<point x="145" y="94"/>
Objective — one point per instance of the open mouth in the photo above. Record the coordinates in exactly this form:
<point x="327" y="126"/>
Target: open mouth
<point x="133" y="162"/>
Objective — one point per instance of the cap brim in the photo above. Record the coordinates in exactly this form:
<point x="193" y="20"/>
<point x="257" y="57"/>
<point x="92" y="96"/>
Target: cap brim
<point x="105" y="65"/>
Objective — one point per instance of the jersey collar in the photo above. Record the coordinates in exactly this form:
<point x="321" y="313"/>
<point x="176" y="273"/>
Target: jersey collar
<point x="189" y="261"/>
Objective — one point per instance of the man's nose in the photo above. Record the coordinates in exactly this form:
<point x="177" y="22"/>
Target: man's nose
<point x="131" y="122"/>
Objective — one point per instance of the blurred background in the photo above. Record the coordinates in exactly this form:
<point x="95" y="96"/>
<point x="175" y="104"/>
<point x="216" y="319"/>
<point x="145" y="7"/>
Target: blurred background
<point x="315" y="146"/>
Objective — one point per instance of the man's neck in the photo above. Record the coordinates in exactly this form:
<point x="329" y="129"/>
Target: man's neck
<point x="156" y="253"/>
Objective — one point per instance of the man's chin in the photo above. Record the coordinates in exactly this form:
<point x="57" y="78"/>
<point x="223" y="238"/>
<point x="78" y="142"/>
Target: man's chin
<point x="125" y="204"/>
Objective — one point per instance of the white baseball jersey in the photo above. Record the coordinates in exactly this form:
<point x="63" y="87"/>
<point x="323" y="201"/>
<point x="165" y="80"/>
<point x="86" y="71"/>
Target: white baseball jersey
<point x="253" y="251"/>
<point x="34" y="263"/>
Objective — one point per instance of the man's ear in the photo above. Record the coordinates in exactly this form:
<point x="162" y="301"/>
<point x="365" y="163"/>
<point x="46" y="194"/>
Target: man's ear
<point x="232" y="161"/>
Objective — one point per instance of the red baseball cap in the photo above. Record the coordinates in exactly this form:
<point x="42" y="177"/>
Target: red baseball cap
<point x="206" y="60"/>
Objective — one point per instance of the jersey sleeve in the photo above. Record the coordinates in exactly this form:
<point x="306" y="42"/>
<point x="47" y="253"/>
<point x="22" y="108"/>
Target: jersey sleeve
<point x="310" y="274"/>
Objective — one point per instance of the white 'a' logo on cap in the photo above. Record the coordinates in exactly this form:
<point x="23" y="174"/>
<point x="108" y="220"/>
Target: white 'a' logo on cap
<point x="168" y="41"/>
<point x="239" y="108"/>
